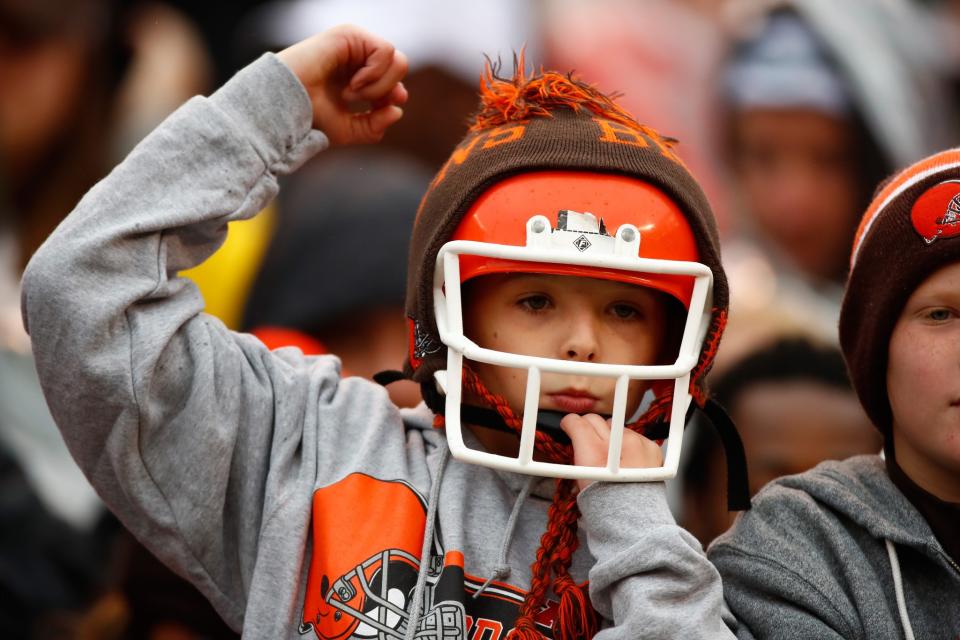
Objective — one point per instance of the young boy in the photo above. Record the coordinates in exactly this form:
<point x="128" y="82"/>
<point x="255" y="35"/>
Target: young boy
<point x="301" y="503"/>
<point x="870" y="547"/>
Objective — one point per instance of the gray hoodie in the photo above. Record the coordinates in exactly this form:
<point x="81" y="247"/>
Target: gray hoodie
<point x="828" y="554"/>
<point x="300" y="503"/>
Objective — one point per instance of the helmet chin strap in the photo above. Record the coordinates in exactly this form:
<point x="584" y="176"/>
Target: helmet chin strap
<point x="548" y="422"/>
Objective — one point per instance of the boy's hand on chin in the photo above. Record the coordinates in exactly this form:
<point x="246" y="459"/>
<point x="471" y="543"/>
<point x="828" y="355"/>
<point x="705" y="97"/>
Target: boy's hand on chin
<point x="590" y="435"/>
<point x="353" y="80"/>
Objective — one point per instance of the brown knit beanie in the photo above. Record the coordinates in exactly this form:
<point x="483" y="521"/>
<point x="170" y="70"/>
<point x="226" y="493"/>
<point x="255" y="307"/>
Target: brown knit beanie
<point x="911" y="229"/>
<point x="547" y="121"/>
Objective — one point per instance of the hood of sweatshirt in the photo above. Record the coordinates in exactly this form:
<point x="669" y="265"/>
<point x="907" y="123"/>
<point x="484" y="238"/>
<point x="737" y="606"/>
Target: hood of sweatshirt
<point x="861" y="490"/>
<point x="838" y="551"/>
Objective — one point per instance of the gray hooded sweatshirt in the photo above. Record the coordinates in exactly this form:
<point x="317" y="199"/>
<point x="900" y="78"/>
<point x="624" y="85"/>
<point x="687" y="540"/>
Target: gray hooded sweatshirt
<point x="838" y="552"/>
<point x="300" y="503"/>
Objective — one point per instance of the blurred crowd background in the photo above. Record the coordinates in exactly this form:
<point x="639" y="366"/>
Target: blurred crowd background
<point x="789" y="113"/>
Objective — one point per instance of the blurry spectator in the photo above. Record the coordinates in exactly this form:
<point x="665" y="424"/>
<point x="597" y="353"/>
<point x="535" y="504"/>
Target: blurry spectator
<point x="170" y="64"/>
<point x="947" y="21"/>
<point x="61" y="66"/>
<point x="793" y="406"/>
<point x="824" y="101"/>
<point x="48" y="568"/>
<point x="80" y="86"/>
<point x="218" y="21"/>
<point x="335" y="270"/>
<point x="662" y="56"/>
<point x="943" y="44"/>
<point x="146" y="600"/>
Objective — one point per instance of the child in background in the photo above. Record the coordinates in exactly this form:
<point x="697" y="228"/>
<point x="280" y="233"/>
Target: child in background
<point x="302" y="503"/>
<point x="323" y="213"/>
<point x="870" y="547"/>
<point x="794" y="407"/>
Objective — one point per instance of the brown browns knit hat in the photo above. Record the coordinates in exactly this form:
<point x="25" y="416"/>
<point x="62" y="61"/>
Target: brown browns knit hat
<point x="547" y="121"/>
<point x="911" y="229"/>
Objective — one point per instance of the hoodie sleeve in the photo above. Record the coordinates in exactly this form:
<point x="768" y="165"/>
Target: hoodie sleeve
<point x="781" y="576"/>
<point x="651" y="576"/>
<point x="189" y="432"/>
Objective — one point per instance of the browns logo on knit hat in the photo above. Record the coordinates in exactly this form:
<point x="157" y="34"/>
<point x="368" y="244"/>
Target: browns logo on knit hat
<point x="911" y="229"/>
<point x="544" y="122"/>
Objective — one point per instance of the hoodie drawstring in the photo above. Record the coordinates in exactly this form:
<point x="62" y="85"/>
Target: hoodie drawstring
<point x="898" y="589"/>
<point x="432" y="503"/>
<point x="502" y="570"/>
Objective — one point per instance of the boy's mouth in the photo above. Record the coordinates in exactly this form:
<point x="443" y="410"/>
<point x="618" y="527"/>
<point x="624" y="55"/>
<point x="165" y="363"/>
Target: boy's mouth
<point x="574" y="400"/>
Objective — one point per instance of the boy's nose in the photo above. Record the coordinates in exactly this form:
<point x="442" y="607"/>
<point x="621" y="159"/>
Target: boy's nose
<point x="580" y="341"/>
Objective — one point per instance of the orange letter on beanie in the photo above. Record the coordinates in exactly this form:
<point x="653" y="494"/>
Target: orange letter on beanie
<point x="502" y="135"/>
<point x="622" y="134"/>
<point x="612" y="132"/>
<point x="458" y="156"/>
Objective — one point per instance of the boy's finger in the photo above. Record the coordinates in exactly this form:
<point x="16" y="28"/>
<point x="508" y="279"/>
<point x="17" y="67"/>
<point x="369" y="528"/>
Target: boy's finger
<point x="589" y="447"/>
<point x="573" y="423"/>
<point x="396" y="97"/>
<point x="379" y="83"/>
<point x="578" y="428"/>
<point x="600" y="426"/>
<point x="370" y="127"/>
<point x="590" y="425"/>
<point x="633" y="441"/>
<point x="367" y="55"/>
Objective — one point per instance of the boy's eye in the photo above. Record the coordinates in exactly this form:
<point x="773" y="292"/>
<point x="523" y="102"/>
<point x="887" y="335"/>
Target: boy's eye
<point x="625" y="311"/>
<point x="535" y="302"/>
<point x="940" y="314"/>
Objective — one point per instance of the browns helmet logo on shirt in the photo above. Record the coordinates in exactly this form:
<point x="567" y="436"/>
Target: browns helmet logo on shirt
<point x="367" y="539"/>
<point x="361" y="578"/>
<point x="936" y="214"/>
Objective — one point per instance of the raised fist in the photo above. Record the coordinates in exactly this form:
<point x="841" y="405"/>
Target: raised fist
<point x="353" y="80"/>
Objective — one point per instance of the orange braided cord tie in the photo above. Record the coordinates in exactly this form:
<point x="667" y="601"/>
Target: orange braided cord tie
<point x="576" y="617"/>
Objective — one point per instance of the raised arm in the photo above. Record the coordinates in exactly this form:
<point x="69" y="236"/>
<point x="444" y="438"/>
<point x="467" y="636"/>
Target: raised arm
<point x="191" y="433"/>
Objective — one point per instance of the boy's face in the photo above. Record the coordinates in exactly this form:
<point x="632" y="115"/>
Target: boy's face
<point x="798" y="172"/>
<point x="566" y="318"/>
<point x="923" y="384"/>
